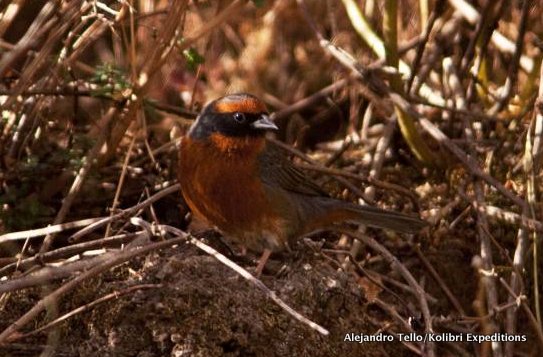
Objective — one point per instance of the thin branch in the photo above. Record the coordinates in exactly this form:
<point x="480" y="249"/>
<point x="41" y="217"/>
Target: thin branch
<point x="57" y="228"/>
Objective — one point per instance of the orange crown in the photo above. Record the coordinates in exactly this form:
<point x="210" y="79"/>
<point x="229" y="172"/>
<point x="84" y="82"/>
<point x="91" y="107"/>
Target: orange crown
<point x="239" y="103"/>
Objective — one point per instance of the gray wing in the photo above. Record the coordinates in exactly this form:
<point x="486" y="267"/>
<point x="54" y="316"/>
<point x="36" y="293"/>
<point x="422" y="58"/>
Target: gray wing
<point x="277" y="171"/>
<point x="314" y="207"/>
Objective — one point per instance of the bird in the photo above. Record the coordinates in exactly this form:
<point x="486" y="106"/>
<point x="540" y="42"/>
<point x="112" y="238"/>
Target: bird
<point x="238" y="181"/>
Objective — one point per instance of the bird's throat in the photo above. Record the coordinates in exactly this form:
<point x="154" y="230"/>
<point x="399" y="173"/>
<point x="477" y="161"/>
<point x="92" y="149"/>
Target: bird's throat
<point x="244" y="147"/>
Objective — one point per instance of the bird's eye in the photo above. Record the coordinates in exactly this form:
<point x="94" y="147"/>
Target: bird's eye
<point x="239" y="117"/>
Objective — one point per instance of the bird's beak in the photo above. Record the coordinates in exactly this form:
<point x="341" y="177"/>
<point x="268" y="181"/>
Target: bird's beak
<point x="264" y="123"/>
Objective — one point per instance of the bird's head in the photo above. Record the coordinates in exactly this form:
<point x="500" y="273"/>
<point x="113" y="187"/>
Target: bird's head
<point x="239" y="115"/>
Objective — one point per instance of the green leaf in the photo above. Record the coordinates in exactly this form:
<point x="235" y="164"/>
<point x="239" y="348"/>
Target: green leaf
<point x="109" y="81"/>
<point x="193" y="58"/>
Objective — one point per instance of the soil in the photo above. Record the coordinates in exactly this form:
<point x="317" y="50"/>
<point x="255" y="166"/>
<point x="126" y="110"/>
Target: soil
<point x="203" y="308"/>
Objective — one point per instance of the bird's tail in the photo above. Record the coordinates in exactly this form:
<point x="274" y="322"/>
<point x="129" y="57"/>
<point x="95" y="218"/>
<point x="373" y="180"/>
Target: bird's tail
<point x="380" y="218"/>
<point x="336" y="212"/>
